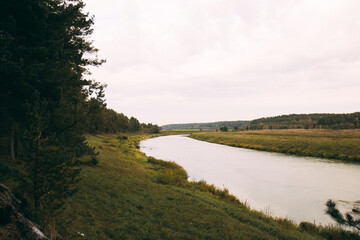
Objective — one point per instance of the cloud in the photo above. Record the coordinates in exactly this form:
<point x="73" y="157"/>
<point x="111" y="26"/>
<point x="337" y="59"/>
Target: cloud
<point x="223" y="60"/>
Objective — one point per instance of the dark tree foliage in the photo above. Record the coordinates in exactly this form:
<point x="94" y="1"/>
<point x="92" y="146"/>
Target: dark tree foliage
<point x="45" y="97"/>
<point x="105" y="120"/>
<point x="150" y="128"/>
<point x="134" y="124"/>
<point x="336" y="215"/>
<point x="224" y="129"/>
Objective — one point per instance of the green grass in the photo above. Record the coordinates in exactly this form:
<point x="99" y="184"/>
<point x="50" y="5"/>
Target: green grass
<point x="332" y="144"/>
<point x="130" y="196"/>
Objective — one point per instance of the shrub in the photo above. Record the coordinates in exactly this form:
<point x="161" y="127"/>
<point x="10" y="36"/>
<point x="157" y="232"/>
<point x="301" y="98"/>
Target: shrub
<point x="212" y="189"/>
<point x="170" y="172"/>
<point x="120" y="137"/>
<point x="308" y="227"/>
<point x="172" y="177"/>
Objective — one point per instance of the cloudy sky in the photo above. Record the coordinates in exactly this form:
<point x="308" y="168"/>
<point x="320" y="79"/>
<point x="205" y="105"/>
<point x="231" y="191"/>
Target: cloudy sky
<point x="179" y="61"/>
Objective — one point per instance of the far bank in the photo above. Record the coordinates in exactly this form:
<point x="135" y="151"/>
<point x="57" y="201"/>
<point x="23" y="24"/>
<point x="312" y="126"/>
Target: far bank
<point x="332" y="144"/>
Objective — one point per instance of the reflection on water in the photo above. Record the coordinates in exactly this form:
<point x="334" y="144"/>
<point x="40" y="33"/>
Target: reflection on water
<point x="287" y="186"/>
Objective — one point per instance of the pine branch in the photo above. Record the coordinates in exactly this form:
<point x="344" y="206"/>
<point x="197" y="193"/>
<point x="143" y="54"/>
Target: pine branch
<point x="338" y="217"/>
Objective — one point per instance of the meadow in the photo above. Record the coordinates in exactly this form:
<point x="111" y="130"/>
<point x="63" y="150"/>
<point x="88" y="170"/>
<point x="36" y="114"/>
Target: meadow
<point x="331" y="144"/>
<point x="131" y="196"/>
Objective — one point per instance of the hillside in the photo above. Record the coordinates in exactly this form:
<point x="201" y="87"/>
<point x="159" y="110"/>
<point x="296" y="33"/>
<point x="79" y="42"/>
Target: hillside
<point x="131" y="196"/>
<point x="208" y="126"/>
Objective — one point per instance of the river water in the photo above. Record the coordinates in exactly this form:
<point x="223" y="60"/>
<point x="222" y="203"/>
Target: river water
<point x="277" y="184"/>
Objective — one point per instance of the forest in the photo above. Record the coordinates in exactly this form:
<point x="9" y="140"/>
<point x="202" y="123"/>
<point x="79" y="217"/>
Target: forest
<point x="292" y="121"/>
<point x="49" y="102"/>
<point x="308" y="121"/>
<point x="206" y="126"/>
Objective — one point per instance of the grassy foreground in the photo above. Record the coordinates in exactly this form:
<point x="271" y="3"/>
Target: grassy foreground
<point x="333" y="144"/>
<point x="131" y="196"/>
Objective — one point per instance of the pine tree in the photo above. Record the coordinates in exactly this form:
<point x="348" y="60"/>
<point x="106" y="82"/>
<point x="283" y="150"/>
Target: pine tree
<point x="46" y="97"/>
<point x="134" y="124"/>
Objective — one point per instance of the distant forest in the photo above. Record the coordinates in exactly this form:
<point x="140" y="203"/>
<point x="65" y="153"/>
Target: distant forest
<point x="292" y="121"/>
<point x="308" y="121"/>
<point x="105" y="120"/>
<point x="212" y="125"/>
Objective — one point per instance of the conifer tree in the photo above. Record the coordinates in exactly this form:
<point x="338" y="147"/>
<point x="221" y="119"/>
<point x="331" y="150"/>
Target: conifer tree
<point x="134" y="124"/>
<point x="46" y="98"/>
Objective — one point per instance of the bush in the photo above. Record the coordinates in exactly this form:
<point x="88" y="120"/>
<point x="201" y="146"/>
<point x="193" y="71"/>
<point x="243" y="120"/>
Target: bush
<point x="94" y="161"/>
<point x="211" y="188"/>
<point x="170" y="172"/>
<point x="172" y="177"/>
<point x="122" y="137"/>
<point x="308" y="227"/>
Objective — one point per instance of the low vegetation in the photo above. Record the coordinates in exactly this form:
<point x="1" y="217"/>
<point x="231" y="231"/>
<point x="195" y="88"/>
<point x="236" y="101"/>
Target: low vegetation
<point x="332" y="144"/>
<point x="131" y="196"/>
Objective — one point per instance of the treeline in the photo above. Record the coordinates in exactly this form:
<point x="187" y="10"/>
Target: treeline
<point x="105" y="120"/>
<point x="292" y="121"/>
<point x="211" y="125"/>
<point x="307" y="121"/>
<point x="48" y="102"/>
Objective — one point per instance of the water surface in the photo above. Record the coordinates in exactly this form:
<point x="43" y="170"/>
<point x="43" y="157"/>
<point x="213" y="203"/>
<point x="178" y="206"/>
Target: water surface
<point x="279" y="184"/>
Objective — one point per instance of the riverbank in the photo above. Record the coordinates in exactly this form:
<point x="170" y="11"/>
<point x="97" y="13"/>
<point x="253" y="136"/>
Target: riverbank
<point x="332" y="144"/>
<point x="130" y="196"/>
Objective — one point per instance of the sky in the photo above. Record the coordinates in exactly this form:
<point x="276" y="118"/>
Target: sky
<point x="183" y="61"/>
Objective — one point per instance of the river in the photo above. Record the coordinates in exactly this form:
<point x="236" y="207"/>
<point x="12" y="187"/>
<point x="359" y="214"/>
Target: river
<point x="277" y="184"/>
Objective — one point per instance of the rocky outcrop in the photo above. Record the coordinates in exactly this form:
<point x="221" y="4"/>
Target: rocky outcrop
<point x="10" y="215"/>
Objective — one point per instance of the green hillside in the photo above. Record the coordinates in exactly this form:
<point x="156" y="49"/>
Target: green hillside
<point x="131" y="196"/>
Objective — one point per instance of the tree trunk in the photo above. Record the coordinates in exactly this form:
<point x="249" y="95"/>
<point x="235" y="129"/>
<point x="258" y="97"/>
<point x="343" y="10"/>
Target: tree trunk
<point x="12" y="142"/>
<point x="36" y="191"/>
<point x="9" y="208"/>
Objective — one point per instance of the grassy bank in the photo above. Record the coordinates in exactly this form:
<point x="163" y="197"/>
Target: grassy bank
<point x="130" y="196"/>
<point x="333" y="144"/>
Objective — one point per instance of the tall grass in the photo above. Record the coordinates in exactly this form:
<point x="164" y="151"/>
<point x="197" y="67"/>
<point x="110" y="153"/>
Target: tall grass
<point x="332" y="144"/>
<point x="131" y="196"/>
<point x="170" y="172"/>
<point x="173" y="174"/>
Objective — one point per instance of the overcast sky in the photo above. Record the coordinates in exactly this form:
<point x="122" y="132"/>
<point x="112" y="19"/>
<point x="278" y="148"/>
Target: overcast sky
<point x="172" y="61"/>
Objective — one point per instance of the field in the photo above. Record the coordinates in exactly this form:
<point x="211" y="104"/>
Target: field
<point x="130" y="196"/>
<point x="332" y="144"/>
